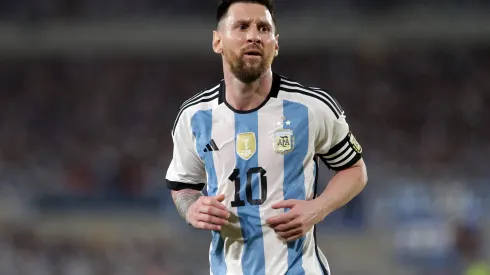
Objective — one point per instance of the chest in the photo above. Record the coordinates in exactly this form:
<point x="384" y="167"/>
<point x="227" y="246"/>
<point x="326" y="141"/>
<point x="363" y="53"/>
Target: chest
<point x="270" y="138"/>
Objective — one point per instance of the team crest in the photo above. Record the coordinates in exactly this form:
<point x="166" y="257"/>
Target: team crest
<point x="283" y="141"/>
<point x="355" y="145"/>
<point x="246" y="145"/>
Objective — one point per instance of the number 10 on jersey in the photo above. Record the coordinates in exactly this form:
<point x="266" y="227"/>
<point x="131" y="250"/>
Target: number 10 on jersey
<point x="235" y="177"/>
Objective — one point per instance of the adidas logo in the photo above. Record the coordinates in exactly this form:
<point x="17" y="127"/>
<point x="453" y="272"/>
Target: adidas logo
<point x="211" y="146"/>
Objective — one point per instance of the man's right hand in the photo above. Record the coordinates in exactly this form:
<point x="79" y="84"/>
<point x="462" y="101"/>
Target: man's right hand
<point x="208" y="213"/>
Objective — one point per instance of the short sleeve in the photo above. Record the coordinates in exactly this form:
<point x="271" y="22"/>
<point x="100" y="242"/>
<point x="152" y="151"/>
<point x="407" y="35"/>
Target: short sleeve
<point x="186" y="170"/>
<point x="335" y="144"/>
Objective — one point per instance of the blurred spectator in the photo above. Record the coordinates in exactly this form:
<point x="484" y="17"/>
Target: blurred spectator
<point x="129" y="178"/>
<point x="469" y="245"/>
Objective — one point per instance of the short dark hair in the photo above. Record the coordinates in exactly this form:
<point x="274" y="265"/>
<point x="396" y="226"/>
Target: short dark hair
<point x="224" y="5"/>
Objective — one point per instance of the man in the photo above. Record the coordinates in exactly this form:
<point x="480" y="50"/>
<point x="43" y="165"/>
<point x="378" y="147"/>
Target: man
<point x="253" y="141"/>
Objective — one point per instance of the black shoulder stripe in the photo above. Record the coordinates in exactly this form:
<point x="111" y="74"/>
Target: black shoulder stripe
<point x="196" y="96"/>
<point x="333" y="99"/>
<point x="199" y="97"/>
<point x="318" y="91"/>
<point x="195" y="102"/>
<point x="300" y="90"/>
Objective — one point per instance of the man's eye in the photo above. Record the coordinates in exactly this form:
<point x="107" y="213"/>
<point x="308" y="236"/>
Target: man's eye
<point x="242" y="27"/>
<point x="264" y="29"/>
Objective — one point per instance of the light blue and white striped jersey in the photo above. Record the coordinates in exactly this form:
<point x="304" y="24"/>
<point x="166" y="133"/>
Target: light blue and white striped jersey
<point x="258" y="158"/>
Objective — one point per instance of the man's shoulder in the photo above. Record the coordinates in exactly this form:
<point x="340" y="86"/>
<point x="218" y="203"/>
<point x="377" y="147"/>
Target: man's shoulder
<point x="312" y="96"/>
<point x="205" y="95"/>
<point x="203" y="100"/>
<point x="302" y="90"/>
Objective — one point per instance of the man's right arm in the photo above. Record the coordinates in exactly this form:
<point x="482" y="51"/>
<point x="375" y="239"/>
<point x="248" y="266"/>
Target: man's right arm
<point x="200" y="211"/>
<point x="183" y="200"/>
<point x="186" y="177"/>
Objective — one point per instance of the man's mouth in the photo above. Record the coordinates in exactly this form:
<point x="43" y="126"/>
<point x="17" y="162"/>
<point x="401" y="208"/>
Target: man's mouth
<point x="253" y="53"/>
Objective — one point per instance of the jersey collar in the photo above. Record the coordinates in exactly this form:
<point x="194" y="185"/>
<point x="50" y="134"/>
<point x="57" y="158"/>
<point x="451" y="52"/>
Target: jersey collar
<point x="276" y="82"/>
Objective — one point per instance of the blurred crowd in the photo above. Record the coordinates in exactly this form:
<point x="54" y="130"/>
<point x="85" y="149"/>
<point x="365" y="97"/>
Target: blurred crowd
<point x="26" y="252"/>
<point x="98" y="123"/>
<point x="35" y="11"/>
<point x="31" y="251"/>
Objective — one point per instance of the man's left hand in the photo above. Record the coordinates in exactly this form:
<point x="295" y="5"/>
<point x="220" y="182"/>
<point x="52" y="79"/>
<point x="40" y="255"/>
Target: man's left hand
<point x="296" y="222"/>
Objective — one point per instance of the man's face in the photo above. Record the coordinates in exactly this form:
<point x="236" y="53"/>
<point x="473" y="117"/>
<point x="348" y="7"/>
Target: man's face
<point x="245" y="37"/>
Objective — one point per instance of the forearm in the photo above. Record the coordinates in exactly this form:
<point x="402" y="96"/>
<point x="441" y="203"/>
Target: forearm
<point x="342" y="188"/>
<point x="183" y="199"/>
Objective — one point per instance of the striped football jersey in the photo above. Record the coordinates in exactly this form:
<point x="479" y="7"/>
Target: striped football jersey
<point x="257" y="158"/>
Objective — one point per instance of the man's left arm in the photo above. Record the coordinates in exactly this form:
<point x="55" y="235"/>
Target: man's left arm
<point x="337" y="147"/>
<point x="344" y="156"/>
<point x="342" y="188"/>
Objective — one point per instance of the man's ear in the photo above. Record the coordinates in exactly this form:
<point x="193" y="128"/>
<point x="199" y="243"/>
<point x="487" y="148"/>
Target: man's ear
<point x="217" y="44"/>
<point x="277" y="45"/>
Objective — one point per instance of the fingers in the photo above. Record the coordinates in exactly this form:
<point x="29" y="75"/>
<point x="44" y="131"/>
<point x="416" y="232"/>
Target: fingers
<point x="213" y="215"/>
<point x="220" y="198"/>
<point x="291" y="235"/>
<point x="285" y="204"/>
<point x="294" y="238"/>
<point x="207" y="226"/>
<point x="285" y="226"/>
<point x="282" y="218"/>
<point x="209" y="222"/>
<point x="209" y="213"/>
<point x="211" y="219"/>
<point x="210" y="210"/>
<point x="214" y="201"/>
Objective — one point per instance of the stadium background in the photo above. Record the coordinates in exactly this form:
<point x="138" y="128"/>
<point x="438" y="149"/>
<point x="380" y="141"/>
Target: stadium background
<point x="89" y="91"/>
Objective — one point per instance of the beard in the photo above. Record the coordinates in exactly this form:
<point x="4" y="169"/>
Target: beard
<point x="247" y="70"/>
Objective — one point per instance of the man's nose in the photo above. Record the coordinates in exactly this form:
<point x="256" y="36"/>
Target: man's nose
<point x="253" y="36"/>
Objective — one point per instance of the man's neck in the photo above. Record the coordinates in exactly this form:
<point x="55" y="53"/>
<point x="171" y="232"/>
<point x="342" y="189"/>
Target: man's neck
<point x="245" y="97"/>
